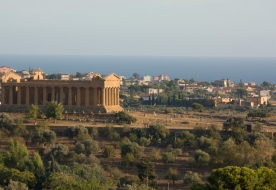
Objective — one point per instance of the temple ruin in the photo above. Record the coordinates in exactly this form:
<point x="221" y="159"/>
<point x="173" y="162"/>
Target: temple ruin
<point x="101" y="94"/>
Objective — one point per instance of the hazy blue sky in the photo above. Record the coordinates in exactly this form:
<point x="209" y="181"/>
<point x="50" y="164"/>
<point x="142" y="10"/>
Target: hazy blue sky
<point x="139" y="27"/>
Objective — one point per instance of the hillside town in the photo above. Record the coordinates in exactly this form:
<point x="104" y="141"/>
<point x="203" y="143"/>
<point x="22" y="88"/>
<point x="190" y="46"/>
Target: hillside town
<point x="142" y="89"/>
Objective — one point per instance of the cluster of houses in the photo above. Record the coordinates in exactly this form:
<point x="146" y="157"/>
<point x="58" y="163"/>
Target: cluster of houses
<point x="25" y="74"/>
<point x="144" y="79"/>
<point x="220" y="89"/>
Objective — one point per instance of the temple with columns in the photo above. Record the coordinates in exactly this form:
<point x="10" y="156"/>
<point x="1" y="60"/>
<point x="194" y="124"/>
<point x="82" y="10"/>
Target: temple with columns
<point x="101" y="94"/>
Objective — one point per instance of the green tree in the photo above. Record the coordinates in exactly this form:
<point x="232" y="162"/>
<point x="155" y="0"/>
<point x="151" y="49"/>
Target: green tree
<point x="201" y="157"/>
<point x="37" y="162"/>
<point x="155" y="155"/>
<point x="14" y="185"/>
<point x="253" y="137"/>
<point x="7" y="174"/>
<point x="188" y="138"/>
<point x="191" y="178"/>
<point x="58" y="151"/>
<point x="54" y="110"/>
<point x="258" y="127"/>
<point x="33" y="112"/>
<point x="16" y="156"/>
<point x="91" y="146"/>
<point x="45" y="136"/>
<point x="168" y="157"/>
<point x="60" y="181"/>
<point x="78" y="132"/>
<point x="130" y="151"/>
<point x="157" y="133"/>
<point x="266" y="179"/>
<point x="234" y="122"/>
<point x="128" y="159"/>
<point x="172" y="175"/>
<point x="125" y="117"/>
<point x="136" y="76"/>
<point x="242" y="93"/>
<point x="203" y="142"/>
<point x="266" y="84"/>
<point x="91" y="159"/>
<point x="6" y="122"/>
<point x="143" y="141"/>
<point x="115" y="173"/>
<point x="108" y="151"/>
<point x="146" y="171"/>
<point x="197" y="106"/>
<point x="21" y="130"/>
<point x="233" y="177"/>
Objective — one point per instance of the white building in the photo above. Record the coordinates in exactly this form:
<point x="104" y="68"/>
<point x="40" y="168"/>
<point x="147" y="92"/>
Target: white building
<point x="64" y="77"/>
<point x="147" y="78"/>
<point x="153" y="91"/>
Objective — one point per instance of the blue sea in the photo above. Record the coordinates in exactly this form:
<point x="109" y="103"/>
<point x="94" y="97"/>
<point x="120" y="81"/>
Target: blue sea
<point x="200" y="68"/>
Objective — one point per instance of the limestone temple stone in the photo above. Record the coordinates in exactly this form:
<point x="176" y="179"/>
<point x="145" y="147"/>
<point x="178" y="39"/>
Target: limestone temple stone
<point x="99" y="94"/>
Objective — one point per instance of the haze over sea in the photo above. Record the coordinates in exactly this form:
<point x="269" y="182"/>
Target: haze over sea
<point x="200" y="68"/>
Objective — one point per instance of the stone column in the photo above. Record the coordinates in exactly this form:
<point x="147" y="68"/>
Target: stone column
<point x="10" y="95"/>
<point x="27" y="95"/>
<point x="116" y="96"/>
<point x="69" y="96"/>
<point x="19" y="95"/>
<point x="106" y="96"/>
<point x="35" y="95"/>
<point x="44" y="95"/>
<point x="109" y="97"/>
<point x="113" y="96"/>
<point x="103" y="96"/>
<point x="95" y="97"/>
<point x="53" y="98"/>
<point x="87" y="96"/>
<point x="78" y="96"/>
<point x="60" y="94"/>
<point x="3" y="95"/>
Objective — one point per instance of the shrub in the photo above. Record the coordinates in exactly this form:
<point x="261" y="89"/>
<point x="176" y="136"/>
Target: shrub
<point x="197" y="106"/>
<point x="109" y="151"/>
<point x="6" y="122"/>
<point x="78" y="132"/>
<point x="88" y="147"/>
<point x="45" y="136"/>
<point x="54" y="110"/>
<point x="168" y="111"/>
<point x="172" y="175"/>
<point x="168" y="157"/>
<point x="33" y="112"/>
<point x="143" y="141"/>
<point x="191" y="178"/>
<point x="125" y="117"/>
<point x="201" y="157"/>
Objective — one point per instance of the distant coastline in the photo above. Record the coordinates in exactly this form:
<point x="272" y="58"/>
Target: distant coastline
<point x="247" y="69"/>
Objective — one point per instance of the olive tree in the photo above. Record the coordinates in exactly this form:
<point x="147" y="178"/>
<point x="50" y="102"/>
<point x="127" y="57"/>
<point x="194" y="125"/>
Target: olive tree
<point x="33" y="112"/>
<point x="201" y="157"/>
<point x="54" y="110"/>
<point x="44" y="136"/>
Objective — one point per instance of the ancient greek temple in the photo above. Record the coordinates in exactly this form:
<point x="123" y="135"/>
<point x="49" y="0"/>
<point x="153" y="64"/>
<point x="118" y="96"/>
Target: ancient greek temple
<point x="99" y="94"/>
